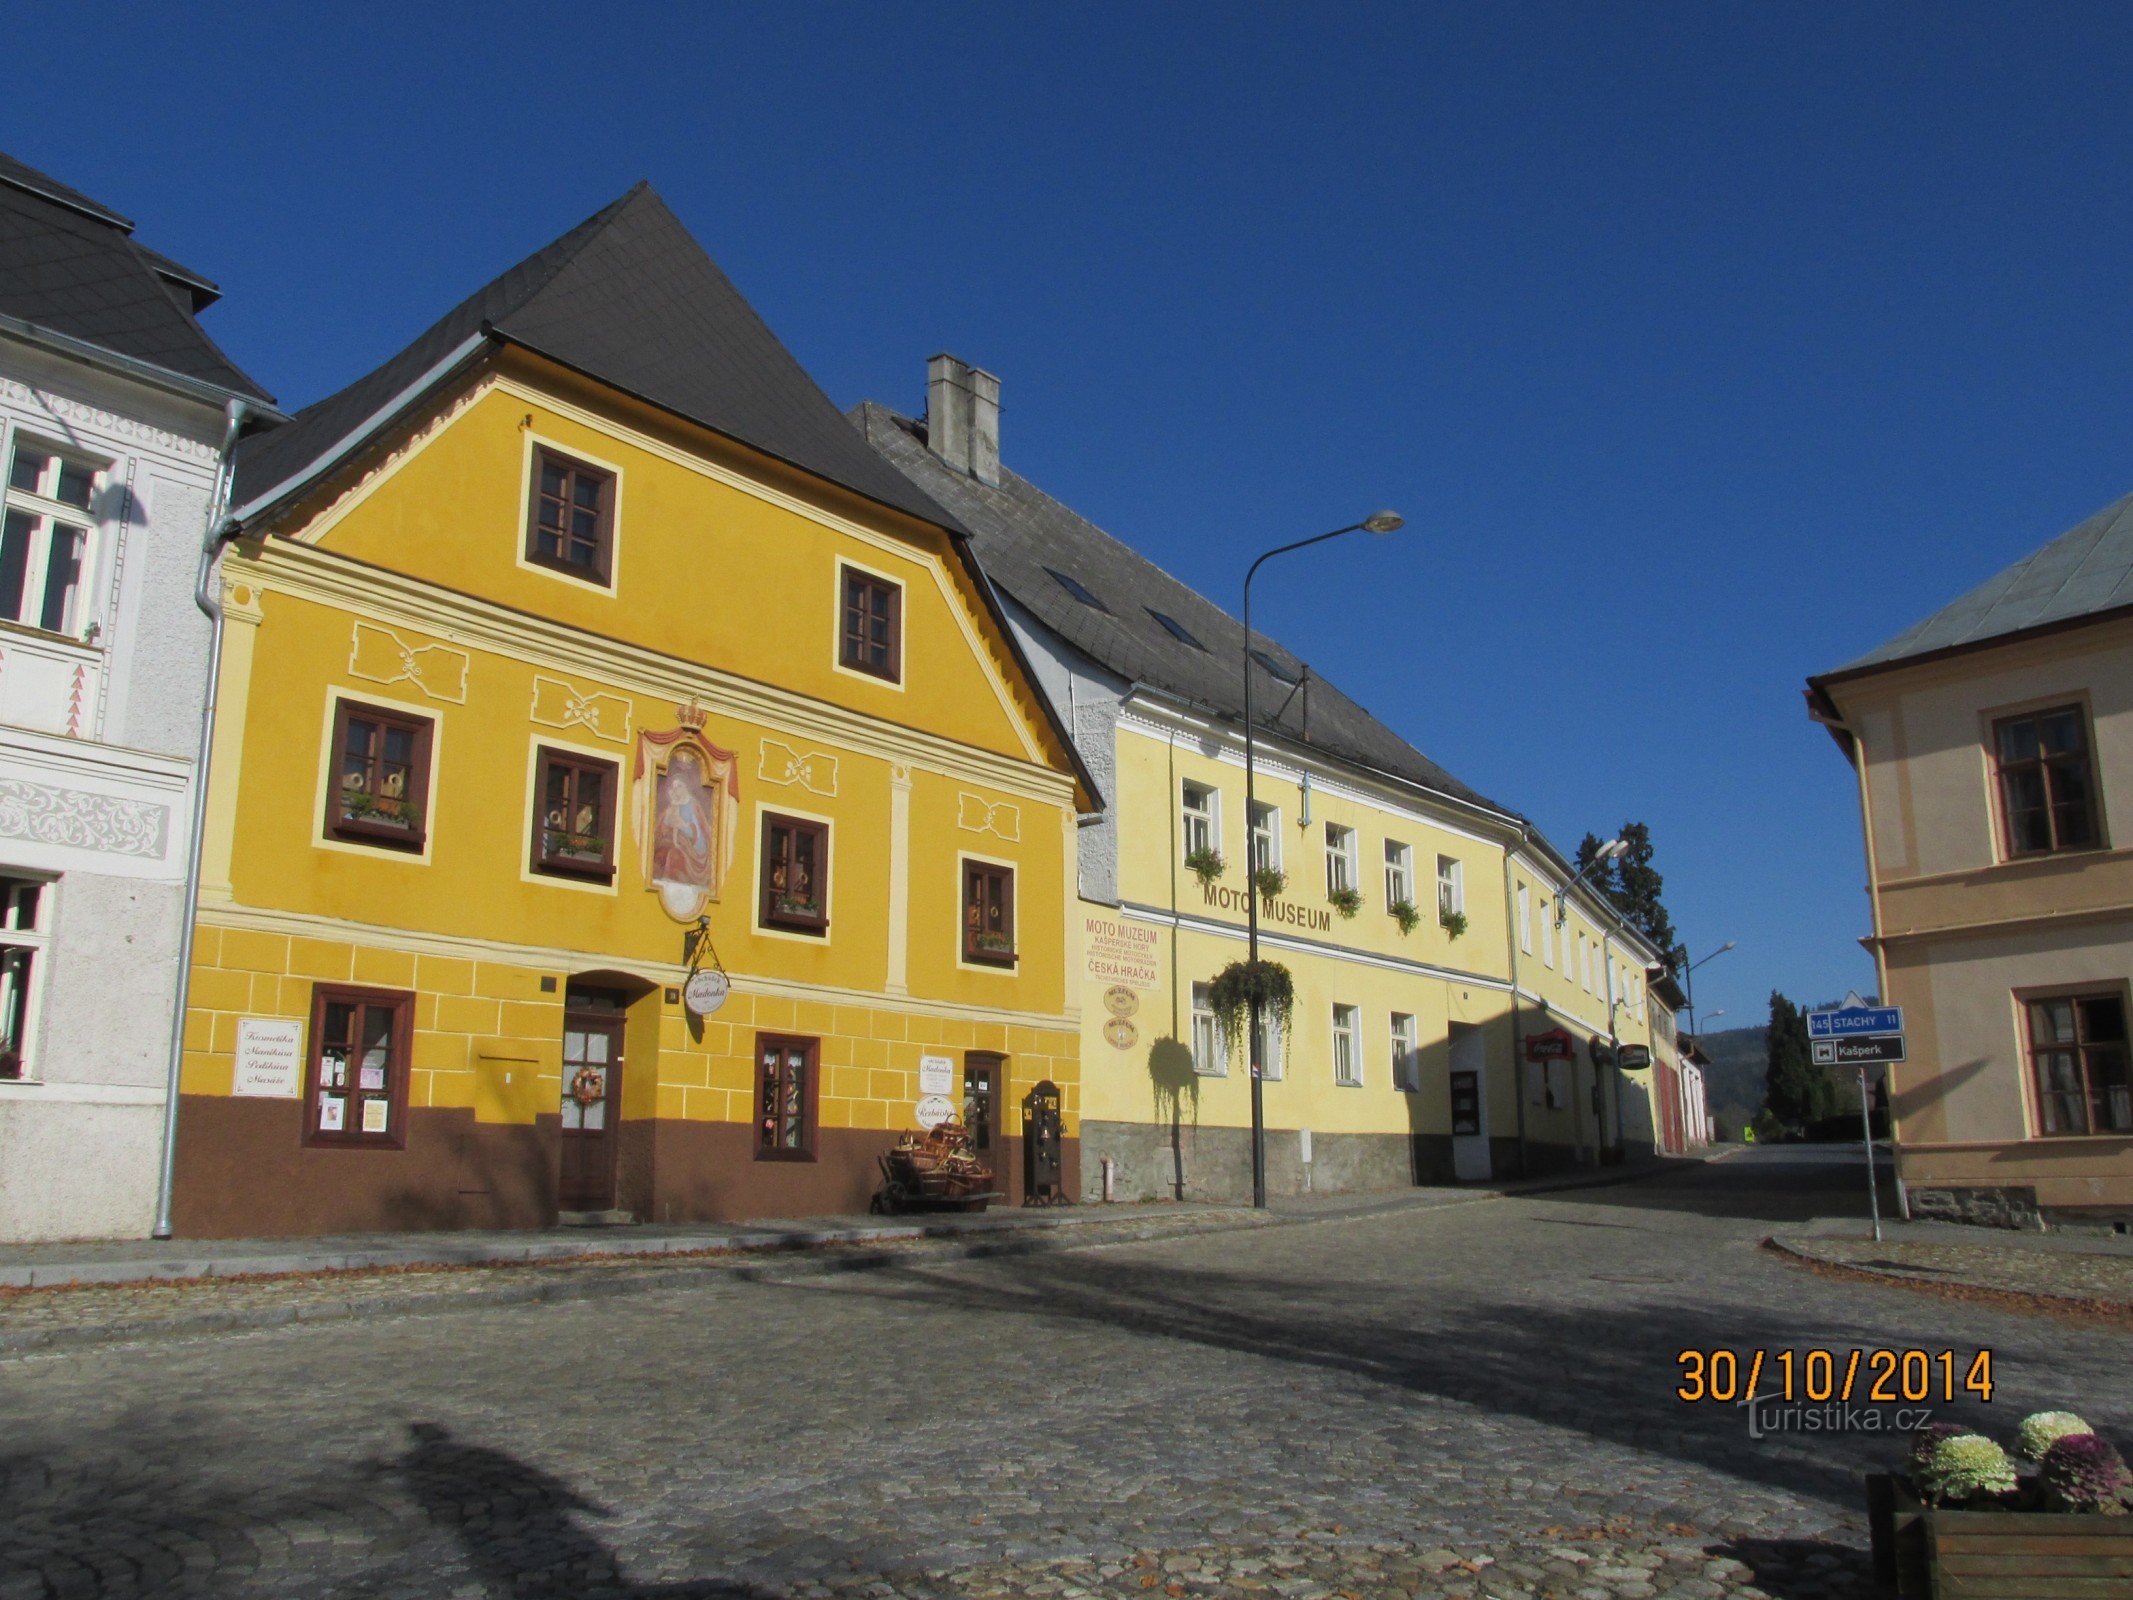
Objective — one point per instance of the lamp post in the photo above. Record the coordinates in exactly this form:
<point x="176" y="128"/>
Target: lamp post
<point x="1376" y="522"/>
<point x="1688" y="983"/>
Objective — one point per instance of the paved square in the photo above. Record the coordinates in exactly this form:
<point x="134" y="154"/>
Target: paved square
<point x="1475" y="1400"/>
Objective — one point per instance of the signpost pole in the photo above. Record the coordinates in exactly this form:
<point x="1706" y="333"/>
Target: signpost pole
<point x="1866" y="1125"/>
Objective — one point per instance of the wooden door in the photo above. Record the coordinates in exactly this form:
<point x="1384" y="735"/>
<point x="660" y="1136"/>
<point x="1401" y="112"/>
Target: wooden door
<point x="592" y="1099"/>
<point x="984" y="1081"/>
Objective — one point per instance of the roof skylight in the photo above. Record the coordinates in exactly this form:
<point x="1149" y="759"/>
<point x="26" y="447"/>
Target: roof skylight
<point x="1275" y="670"/>
<point x="1079" y="590"/>
<point x="1176" y="629"/>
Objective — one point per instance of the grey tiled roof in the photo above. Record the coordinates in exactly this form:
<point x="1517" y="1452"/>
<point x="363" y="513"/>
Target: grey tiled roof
<point x="2086" y="570"/>
<point x="1022" y="536"/>
<point x="630" y="298"/>
<point x="71" y="266"/>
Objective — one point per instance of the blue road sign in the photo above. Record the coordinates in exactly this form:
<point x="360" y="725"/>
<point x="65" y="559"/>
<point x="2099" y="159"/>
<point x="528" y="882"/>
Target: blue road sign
<point x="1845" y="1021"/>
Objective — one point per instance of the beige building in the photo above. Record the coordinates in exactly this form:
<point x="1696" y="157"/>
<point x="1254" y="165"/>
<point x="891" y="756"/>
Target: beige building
<point x="1993" y="744"/>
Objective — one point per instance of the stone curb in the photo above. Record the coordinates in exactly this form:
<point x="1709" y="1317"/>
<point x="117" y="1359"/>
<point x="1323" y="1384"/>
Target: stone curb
<point x="786" y="1261"/>
<point x="639" y="1270"/>
<point x="2022" y="1301"/>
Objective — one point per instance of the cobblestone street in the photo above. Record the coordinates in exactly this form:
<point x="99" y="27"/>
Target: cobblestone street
<point x="1476" y="1400"/>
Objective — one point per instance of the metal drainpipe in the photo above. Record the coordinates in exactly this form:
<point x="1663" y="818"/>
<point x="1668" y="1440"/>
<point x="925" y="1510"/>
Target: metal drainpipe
<point x="211" y="541"/>
<point x="1518" y="1080"/>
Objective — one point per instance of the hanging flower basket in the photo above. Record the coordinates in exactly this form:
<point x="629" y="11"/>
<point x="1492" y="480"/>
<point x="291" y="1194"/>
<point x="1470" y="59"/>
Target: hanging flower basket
<point x="1237" y="985"/>
<point x="1405" y="914"/>
<point x="1453" y="922"/>
<point x="1347" y="901"/>
<point x="1269" y="881"/>
<point x="1206" y="865"/>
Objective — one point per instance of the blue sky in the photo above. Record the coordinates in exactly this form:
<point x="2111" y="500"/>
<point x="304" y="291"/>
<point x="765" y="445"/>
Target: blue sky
<point x="1703" y="347"/>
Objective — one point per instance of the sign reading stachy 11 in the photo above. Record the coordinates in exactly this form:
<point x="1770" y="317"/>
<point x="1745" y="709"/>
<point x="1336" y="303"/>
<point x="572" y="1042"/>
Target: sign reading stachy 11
<point x="1846" y="1020"/>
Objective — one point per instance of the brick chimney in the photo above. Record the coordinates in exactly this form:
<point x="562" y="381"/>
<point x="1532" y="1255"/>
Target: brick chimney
<point x="963" y="417"/>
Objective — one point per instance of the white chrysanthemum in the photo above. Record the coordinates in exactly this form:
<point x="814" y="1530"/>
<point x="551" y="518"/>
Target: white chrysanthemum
<point x="2037" y="1432"/>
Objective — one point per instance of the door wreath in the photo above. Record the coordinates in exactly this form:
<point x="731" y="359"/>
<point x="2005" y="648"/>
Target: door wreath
<point x="588" y="1087"/>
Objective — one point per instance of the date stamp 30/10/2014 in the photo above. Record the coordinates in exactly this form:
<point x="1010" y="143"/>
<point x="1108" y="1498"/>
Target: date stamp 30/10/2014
<point x="1914" y="1376"/>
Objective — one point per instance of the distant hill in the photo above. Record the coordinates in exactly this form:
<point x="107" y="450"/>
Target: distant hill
<point x="1733" y="1083"/>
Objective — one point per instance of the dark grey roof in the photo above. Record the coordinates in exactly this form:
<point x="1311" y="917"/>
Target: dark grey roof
<point x="72" y="267"/>
<point x="1022" y="536"/>
<point x="629" y="298"/>
<point x="2086" y="570"/>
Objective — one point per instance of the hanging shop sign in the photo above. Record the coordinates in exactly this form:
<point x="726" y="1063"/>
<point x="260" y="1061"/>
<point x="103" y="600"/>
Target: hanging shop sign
<point x="1554" y="1045"/>
<point x="705" y="992"/>
<point x="1633" y="1058"/>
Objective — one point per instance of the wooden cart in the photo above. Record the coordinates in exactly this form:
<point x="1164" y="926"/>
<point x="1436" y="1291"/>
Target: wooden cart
<point x="935" y="1171"/>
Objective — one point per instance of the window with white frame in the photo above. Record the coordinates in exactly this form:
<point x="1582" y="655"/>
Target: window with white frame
<point x="1201" y="815"/>
<point x="1451" y="887"/>
<point x="25" y="909"/>
<point x="45" y="538"/>
<point x="1347" y="1063"/>
<point x="1406" y="1061"/>
<point x="1208" y="1055"/>
<point x="1525" y="920"/>
<point x="1266" y="837"/>
<point x="1267" y="1046"/>
<point x="1399" y="874"/>
<point x="1585" y="950"/>
<point x="1548" y="938"/>
<point x="1340" y="859"/>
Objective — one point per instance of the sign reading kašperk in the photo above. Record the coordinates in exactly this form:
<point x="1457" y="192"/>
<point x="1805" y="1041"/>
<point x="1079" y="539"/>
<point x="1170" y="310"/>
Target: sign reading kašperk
<point x="1312" y="919"/>
<point x="1855" y="1034"/>
<point x="1123" y="953"/>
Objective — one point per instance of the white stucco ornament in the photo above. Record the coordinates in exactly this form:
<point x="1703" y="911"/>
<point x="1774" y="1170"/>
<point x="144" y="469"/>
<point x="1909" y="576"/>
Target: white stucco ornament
<point x="705" y="992"/>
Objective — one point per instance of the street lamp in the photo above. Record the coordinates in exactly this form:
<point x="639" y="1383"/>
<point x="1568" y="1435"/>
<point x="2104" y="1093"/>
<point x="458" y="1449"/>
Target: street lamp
<point x="1688" y="986"/>
<point x="1610" y="851"/>
<point x="1376" y="522"/>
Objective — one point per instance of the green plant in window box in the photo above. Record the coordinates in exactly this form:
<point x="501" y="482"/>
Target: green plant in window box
<point x="1454" y="922"/>
<point x="589" y="846"/>
<point x="1269" y="881"/>
<point x="1205" y="864"/>
<point x="1405" y="914"/>
<point x="995" y="944"/>
<point x="1230" y="997"/>
<point x="1347" y="901"/>
<point x="793" y="906"/>
<point x="360" y="805"/>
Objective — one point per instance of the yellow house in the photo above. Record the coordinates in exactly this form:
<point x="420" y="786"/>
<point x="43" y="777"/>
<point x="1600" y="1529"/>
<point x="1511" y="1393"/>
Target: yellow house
<point x="1407" y="909"/>
<point x="627" y="800"/>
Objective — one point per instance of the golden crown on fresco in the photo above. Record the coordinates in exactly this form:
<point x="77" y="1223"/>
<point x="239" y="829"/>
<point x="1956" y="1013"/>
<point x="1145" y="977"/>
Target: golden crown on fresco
<point x="691" y="716"/>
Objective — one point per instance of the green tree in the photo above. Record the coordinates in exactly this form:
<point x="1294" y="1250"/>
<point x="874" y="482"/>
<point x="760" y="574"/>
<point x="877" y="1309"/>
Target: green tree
<point x="1632" y="884"/>
<point x="1796" y="1091"/>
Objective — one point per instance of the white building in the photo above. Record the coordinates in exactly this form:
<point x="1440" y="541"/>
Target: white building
<point x="113" y="417"/>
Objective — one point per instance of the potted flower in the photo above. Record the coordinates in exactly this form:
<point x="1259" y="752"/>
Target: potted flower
<point x="1964" y="1513"/>
<point x="1269" y="881"/>
<point x="1347" y="901"/>
<point x="1405" y="914"/>
<point x="1206" y="864"/>
<point x="1453" y="922"/>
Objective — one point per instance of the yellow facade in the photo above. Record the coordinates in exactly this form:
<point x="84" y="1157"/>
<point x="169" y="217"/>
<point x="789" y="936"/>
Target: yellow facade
<point x="407" y="588"/>
<point x="1163" y="1105"/>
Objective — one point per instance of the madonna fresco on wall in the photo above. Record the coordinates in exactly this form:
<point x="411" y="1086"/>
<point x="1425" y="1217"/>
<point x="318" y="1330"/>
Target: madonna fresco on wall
<point x="687" y="814"/>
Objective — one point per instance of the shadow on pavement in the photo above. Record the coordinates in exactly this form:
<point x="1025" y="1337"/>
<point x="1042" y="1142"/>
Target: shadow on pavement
<point x="1776" y="1184"/>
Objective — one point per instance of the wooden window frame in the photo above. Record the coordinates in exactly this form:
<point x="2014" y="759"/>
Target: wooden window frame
<point x="851" y="651"/>
<point x="1348" y="1026"/>
<point x="769" y="914"/>
<point x="45" y="517"/>
<point x="1270" y="834"/>
<point x="402" y="1004"/>
<point x="1350" y="869"/>
<point x="2080" y="1049"/>
<point x="1188" y="818"/>
<point x="1407" y="1061"/>
<point x="1399" y="873"/>
<point x="355" y="830"/>
<point x="2093" y="797"/>
<point x="26" y="939"/>
<point x="973" y="872"/>
<point x="810" y="1094"/>
<point x="602" y="572"/>
<point x="543" y="859"/>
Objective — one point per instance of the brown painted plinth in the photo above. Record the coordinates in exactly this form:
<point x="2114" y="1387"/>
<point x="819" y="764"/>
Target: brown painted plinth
<point x="243" y="1171"/>
<point x="1925" y="1553"/>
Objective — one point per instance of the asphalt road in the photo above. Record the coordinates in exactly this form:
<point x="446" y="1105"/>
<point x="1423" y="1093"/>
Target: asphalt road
<point x="1487" y="1379"/>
